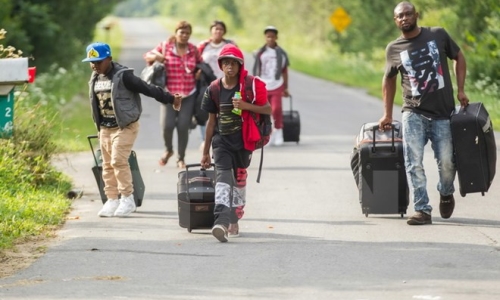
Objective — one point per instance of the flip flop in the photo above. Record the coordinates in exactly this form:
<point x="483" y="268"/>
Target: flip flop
<point x="164" y="158"/>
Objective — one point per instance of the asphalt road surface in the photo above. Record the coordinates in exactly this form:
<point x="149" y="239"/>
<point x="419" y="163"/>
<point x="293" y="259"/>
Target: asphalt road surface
<point x="303" y="235"/>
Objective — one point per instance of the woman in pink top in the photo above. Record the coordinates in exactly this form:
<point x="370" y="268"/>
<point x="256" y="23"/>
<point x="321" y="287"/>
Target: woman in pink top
<point x="180" y="58"/>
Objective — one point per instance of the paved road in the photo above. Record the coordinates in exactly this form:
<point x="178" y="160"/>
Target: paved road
<point x="303" y="234"/>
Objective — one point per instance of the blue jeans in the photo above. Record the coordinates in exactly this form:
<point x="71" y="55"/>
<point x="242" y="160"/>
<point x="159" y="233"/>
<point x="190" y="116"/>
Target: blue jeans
<point x="417" y="131"/>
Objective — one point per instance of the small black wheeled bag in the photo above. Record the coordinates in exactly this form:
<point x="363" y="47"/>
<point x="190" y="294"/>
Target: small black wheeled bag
<point x="378" y="167"/>
<point x="196" y="197"/>
<point x="291" y="124"/>
<point x="474" y="147"/>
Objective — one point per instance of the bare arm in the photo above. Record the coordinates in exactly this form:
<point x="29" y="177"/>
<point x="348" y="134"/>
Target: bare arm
<point x="460" y="72"/>
<point x="260" y="109"/>
<point x="285" y="82"/>
<point x="206" y="160"/>
<point x="153" y="56"/>
<point x="388" y="93"/>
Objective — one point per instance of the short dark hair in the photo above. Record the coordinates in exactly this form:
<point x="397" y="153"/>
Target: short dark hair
<point x="218" y="22"/>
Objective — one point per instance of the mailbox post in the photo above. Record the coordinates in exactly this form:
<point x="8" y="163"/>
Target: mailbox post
<point x="13" y="71"/>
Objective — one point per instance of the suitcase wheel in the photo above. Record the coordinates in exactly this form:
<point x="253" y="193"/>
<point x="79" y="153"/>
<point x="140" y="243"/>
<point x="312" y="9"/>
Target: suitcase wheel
<point x="189" y="229"/>
<point x="463" y="194"/>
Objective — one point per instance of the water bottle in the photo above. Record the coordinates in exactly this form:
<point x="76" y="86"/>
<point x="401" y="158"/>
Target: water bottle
<point x="237" y="111"/>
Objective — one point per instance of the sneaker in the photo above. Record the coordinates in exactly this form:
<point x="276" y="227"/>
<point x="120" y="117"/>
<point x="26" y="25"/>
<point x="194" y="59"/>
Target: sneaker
<point x="126" y="207"/>
<point x="446" y="206"/>
<point x="109" y="208"/>
<point x="278" y="137"/>
<point x="220" y="232"/>
<point x="419" y="218"/>
<point x="234" y="230"/>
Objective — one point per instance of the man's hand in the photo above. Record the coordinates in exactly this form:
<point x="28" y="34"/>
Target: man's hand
<point x="206" y="161"/>
<point x="463" y="99"/>
<point x="385" y="123"/>
<point x="286" y="94"/>
<point x="177" y="102"/>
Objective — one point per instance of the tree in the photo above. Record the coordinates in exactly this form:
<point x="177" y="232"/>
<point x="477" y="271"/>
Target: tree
<point x="52" y="31"/>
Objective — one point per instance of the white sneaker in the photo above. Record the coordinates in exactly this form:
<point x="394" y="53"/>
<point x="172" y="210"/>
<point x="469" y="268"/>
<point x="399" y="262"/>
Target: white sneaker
<point x="220" y="233"/>
<point x="126" y="207"/>
<point x="109" y="208"/>
<point x="278" y="137"/>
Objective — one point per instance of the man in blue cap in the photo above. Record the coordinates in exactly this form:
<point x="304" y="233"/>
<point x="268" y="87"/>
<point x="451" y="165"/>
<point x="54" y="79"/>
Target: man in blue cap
<point x="116" y="109"/>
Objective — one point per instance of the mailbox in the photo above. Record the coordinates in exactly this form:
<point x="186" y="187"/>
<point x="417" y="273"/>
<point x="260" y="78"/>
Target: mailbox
<point x="13" y="71"/>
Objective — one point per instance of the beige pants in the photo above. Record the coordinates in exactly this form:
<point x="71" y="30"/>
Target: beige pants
<point x="116" y="145"/>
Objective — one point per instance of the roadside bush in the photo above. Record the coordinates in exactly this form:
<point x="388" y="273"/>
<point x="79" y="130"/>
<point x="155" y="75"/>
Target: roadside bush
<point x="32" y="191"/>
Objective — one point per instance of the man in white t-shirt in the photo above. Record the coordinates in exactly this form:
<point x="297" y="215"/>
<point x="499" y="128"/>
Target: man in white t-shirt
<point x="271" y="65"/>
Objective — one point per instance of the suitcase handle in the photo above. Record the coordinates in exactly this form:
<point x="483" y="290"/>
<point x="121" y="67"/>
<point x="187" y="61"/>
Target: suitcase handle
<point x="187" y="179"/>
<point x="90" y="137"/>
<point x="197" y="165"/>
<point x="374" y="129"/>
<point x="291" y="104"/>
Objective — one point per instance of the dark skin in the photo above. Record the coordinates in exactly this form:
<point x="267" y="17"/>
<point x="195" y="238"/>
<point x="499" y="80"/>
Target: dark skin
<point x="101" y="66"/>
<point x="405" y="17"/>
<point x="231" y="69"/>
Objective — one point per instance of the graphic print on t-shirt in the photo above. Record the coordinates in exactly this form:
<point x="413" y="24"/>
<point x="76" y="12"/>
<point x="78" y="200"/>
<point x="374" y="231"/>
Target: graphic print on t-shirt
<point x="102" y="89"/>
<point x="423" y="67"/>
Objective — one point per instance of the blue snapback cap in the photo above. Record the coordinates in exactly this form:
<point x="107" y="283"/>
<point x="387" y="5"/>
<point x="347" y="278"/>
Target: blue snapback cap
<point x="97" y="51"/>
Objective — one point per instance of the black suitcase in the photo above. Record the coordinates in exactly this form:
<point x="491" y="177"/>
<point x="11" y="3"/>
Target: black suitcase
<point x="196" y="198"/>
<point x="139" y="188"/>
<point x="474" y="147"/>
<point x="291" y="124"/>
<point x="378" y="167"/>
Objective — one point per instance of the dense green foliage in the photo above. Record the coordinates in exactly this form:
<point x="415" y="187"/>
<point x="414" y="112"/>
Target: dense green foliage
<point x="51" y="31"/>
<point x="475" y="25"/>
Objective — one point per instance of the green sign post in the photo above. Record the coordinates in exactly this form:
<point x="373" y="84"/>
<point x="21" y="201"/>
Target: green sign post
<point x="7" y="114"/>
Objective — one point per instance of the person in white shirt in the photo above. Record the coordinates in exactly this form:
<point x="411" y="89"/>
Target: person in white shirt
<point x="271" y="65"/>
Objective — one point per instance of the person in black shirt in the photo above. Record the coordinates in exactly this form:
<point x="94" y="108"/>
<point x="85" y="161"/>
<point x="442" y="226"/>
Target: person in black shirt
<point x="421" y="56"/>
<point x="227" y="133"/>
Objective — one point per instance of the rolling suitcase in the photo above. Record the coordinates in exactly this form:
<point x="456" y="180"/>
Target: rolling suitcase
<point x="474" y="147"/>
<point x="378" y="167"/>
<point x="196" y="198"/>
<point x="291" y="124"/>
<point x="139" y="187"/>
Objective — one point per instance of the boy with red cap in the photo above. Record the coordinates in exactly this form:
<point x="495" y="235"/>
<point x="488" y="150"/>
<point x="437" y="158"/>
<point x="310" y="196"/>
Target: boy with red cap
<point x="232" y="136"/>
